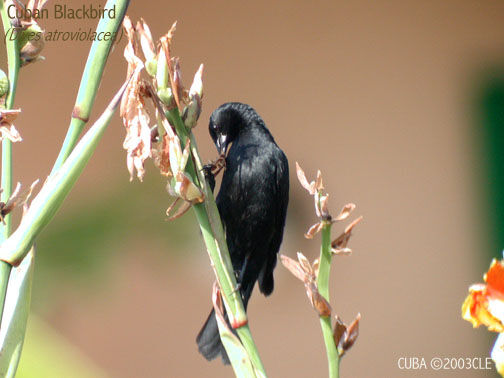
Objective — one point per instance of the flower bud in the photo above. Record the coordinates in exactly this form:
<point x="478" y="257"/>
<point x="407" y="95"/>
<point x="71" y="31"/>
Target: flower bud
<point x="31" y="43"/>
<point x="4" y="83"/>
<point x="193" y="110"/>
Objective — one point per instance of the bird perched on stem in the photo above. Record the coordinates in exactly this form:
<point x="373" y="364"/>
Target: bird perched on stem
<point x="252" y="203"/>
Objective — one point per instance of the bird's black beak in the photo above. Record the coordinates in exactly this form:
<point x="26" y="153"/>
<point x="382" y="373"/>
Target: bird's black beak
<point x="222" y="144"/>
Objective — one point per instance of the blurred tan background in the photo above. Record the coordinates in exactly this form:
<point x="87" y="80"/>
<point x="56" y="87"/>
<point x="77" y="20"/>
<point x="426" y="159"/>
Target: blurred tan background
<point x="377" y="94"/>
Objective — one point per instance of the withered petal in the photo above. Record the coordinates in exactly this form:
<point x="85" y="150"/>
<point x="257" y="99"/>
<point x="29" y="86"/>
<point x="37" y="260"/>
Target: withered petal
<point x="146" y="42"/>
<point x="342" y="240"/>
<point x="319" y="303"/>
<point x="11" y="133"/>
<point x="186" y="189"/>
<point x="183" y="208"/>
<point x="352" y="333"/>
<point x="7" y="116"/>
<point x="294" y="267"/>
<point x="305" y="264"/>
<point x="318" y="183"/>
<point x="303" y="181"/>
<point x="314" y="229"/>
<point x="324" y="209"/>
<point x="341" y="251"/>
<point x="345" y="211"/>
<point x="339" y="331"/>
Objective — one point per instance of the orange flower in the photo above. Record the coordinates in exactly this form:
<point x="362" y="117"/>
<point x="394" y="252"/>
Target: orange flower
<point x="485" y="303"/>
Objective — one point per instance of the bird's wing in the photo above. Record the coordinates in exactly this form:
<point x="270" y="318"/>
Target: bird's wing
<point x="281" y="198"/>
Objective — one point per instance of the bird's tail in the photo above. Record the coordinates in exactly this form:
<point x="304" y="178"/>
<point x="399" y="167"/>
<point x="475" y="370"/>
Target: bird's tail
<point x="209" y="342"/>
<point x="208" y="339"/>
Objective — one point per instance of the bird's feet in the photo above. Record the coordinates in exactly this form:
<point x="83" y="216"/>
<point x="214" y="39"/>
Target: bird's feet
<point x="212" y="169"/>
<point x="237" y="287"/>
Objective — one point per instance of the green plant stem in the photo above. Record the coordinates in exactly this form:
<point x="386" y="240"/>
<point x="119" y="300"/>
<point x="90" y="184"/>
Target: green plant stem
<point x="91" y="78"/>
<point x="323" y="288"/>
<point x="14" y="63"/>
<point x="213" y="235"/>
<point x="56" y="188"/>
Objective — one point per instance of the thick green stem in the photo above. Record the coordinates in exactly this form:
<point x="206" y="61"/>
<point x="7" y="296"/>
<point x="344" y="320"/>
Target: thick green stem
<point x="323" y="288"/>
<point x="14" y="63"/>
<point x="91" y="77"/>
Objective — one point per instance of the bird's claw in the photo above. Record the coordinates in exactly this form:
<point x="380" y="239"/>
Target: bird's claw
<point x="237" y="288"/>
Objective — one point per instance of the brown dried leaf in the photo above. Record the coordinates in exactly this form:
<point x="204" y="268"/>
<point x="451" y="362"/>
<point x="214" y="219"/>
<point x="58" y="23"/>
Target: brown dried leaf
<point x="345" y="212"/>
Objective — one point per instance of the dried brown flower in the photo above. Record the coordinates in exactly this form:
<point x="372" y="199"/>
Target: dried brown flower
<point x="345" y="336"/>
<point x="321" y="209"/>
<point x="7" y="129"/>
<point x="304" y="271"/>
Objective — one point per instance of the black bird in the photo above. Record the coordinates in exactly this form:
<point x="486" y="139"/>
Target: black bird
<point x="252" y="203"/>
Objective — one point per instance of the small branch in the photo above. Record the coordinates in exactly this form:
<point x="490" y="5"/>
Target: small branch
<point x="91" y="78"/>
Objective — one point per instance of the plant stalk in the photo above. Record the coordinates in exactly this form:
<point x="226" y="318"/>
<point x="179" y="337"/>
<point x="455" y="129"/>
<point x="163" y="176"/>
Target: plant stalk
<point x="14" y="64"/>
<point x="91" y="78"/>
<point x="213" y="234"/>
<point x="323" y="288"/>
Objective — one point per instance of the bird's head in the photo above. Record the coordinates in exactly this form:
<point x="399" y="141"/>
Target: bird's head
<point x="225" y="125"/>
